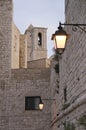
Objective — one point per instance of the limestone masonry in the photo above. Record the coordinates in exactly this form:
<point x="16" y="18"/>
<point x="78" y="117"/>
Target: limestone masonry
<point x="71" y="104"/>
<point x="19" y="78"/>
<point x="29" y="46"/>
<point x="26" y="75"/>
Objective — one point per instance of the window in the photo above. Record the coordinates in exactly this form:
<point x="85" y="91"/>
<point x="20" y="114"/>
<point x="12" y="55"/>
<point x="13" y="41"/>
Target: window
<point x="32" y="103"/>
<point x="65" y="94"/>
<point x="39" y="39"/>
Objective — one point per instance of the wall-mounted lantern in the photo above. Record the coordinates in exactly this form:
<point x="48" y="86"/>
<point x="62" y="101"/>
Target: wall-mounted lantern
<point x="60" y="36"/>
<point x="41" y="104"/>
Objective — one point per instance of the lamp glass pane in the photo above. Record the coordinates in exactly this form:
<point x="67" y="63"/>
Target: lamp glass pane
<point x="41" y="105"/>
<point x="60" y="41"/>
<point x="55" y="44"/>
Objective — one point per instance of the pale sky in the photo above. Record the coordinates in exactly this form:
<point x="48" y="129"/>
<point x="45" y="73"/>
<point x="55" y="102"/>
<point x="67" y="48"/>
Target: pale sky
<point x="39" y="13"/>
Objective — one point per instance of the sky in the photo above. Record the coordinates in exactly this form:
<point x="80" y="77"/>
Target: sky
<point x="39" y="13"/>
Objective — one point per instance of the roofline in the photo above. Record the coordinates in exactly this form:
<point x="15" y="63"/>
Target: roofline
<point x="39" y="28"/>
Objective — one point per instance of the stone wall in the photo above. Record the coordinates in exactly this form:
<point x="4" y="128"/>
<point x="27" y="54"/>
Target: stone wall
<point x="6" y="19"/>
<point x="5" y="37"/>
<point x="18" y="83"/>
<point x="23" y="52"/>
<point x="73" y="69"/>
<point x="41" y="63"/>
<point x="54" y="84"/>
<point x="73" y="60"/>
<point x="29" y="34"/>
<point x="25" y="46"/>
<point x="15" y="47"/>
<point x="28" y="82"/>
<point x="25" y="82"/>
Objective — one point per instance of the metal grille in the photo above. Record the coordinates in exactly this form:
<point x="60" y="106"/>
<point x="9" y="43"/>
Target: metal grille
<point x="32" y="103"/>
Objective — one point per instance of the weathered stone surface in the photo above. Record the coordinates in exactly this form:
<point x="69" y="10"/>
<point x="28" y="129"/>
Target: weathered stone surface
<point x="73" y="68"/>
<point x="25" y="47"/>
<point x="16" y="84"/>
<point x="5" y="37"/>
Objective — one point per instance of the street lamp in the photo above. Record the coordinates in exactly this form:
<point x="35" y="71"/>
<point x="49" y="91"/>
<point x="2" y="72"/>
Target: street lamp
<point x="41" y="104"/>
<point x="60" y="36"/>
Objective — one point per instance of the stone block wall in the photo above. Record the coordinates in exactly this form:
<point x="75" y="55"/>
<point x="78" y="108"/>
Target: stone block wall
<point x="15" y="47"/>
<point x="72" y="64"/>
<point x="29" y="34"/>
<point x="41" y="63"/>
<point x="6" y="19"/>
<point x="16" y="84"/>
<point x="27" y="82"/>
<point x="73" y="68"/>
<point x="25" y="46"/>
<point x="23" y="52"/>
<point x="54" y="83"/>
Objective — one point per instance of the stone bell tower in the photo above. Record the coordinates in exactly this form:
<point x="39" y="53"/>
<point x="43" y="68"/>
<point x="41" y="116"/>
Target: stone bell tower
<point x="5" y="37"/>
<point x="36" y="43"/>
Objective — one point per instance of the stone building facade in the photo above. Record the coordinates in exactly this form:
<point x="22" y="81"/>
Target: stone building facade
<point x="72" y="76"/>
<point x="24" y="74"/>
<point x="29" y="46"/>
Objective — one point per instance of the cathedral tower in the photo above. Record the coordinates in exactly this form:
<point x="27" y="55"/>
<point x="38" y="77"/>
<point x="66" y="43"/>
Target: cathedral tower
<point x="36" y="43"/>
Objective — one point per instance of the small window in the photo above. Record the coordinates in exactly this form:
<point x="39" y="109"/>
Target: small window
<point x="32" y="103"/>
<point x="39" y="39"/>
<point x="65" y="94"/>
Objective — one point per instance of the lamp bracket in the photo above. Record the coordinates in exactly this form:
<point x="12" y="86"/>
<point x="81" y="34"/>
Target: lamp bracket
<point x="48" y="99"/>
<point x="80" y="26"/>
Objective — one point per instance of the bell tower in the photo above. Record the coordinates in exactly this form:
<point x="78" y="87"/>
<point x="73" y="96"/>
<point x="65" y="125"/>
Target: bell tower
<point x="36" y="42"/>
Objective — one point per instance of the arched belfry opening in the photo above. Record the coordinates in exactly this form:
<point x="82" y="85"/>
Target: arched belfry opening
<point x="39" y="39"/>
